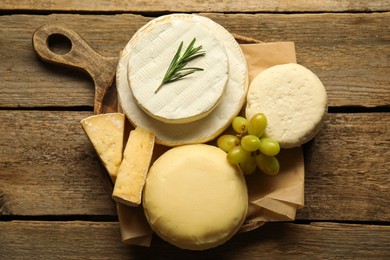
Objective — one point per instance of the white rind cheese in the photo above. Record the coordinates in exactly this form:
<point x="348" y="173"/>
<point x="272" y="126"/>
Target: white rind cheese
<point x="204" y="129"/>
<point x="196" y="207"/>
<point x="105" y="131"/>
<point x="134" y="167"/>
<point x="294" y="100"/>
<point x="189" y="98"/>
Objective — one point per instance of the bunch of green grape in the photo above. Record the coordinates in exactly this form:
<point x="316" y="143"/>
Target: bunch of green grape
<point x="249" y="148"/>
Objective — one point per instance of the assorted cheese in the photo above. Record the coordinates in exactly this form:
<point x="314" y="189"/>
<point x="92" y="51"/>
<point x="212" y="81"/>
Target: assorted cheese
<point x="105" y="131"/>
<point x="190" y="98"/>
<point x="208" y="127"/>
<point x="134" y="167"/>
<point x="194" y="198"/>
<point x="294" y="100"/>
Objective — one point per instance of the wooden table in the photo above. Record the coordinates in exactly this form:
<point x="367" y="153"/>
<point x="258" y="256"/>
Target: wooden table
<point x="54" y="195"/>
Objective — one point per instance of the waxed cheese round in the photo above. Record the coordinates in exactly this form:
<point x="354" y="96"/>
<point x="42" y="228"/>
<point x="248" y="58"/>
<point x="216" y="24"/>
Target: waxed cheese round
<point x="186" y="99"/>
<point x="194" y="198"/>
<point x="294" y="100"/>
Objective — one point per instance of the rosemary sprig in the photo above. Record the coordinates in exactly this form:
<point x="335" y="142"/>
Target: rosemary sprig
<point x="177" y="69"/>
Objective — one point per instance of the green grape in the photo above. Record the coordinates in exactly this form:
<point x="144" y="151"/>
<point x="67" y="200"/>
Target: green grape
<point x="269" y="146"/>
<point x="226" y="142"/>
<point x="250" y="143"/>
<point x="240" y="124"/>
<point x="237" y="155"/>
<point x="267" y="164"/>
<point x="257" y="125"/>
<point x="249" y="166"/>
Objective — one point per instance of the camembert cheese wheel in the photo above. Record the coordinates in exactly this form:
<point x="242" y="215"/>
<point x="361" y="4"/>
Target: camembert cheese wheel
<point x="208" y="127"/>
<point x="294" y="100"/>
<point x="196" y="207"/>
<point x="105" y="131"/>
<point x="189" y="98"/>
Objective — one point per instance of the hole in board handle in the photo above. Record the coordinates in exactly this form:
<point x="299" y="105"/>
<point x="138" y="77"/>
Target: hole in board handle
<point x="59" y="44"/>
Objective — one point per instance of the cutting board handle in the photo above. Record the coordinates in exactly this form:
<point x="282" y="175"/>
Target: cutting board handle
<point x="80" y="56"/>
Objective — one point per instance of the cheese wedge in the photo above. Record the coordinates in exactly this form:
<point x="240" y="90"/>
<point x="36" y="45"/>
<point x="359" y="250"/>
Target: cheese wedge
<point x="194" y="198"/>
<point x="189" y="98"/>
<point x="134" y="167"/>
<point x="105" y="131"/>
<point x="294" y="100"/>
<point x="206" y="128"/>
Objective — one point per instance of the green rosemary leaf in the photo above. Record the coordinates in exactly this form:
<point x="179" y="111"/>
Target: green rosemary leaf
<point x="177" y="69"/>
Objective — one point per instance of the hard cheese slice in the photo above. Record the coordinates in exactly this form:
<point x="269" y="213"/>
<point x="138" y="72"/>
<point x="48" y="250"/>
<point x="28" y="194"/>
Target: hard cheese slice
<point x="105" y="131"/>
<point x="134" y="167"/>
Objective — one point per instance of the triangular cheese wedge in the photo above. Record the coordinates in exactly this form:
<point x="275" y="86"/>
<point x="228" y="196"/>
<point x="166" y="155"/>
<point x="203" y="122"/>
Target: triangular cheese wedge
<point x="134" y="167"/>
<point x="105" y="131"/>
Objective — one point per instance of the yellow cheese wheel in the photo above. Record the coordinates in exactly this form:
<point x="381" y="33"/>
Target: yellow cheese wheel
<point x="194" y="198"/>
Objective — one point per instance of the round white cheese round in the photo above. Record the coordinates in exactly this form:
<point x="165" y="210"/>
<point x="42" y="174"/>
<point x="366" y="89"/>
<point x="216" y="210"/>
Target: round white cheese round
<point x="206" y="128"/>
<point x="195" y="207"/>
<point x="189" y="98"/>
<point x="294" y="100"/>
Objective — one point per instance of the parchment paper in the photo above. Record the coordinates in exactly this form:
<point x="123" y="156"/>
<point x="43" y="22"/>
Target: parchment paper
<point x="271" y="198"/>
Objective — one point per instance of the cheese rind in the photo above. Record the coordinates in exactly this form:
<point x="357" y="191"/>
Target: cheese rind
<point x="189" y="98"/>
<point x="294" y="100"/>
<point x="204" y="129"/>
<point x="134" y="167"/>
<point x="105" y="131"/>
<point x="194" y="198"/>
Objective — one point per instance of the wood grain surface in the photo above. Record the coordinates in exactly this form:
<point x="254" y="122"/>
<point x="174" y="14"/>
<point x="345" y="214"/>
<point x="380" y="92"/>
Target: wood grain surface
<point x="55" y="196"/>
<point x="52" y="169"/>
<point x="48" y="166"/>
<point x="92" y="240"/>
<point x="349" y="53"/>
<point x="196" y="6"/>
